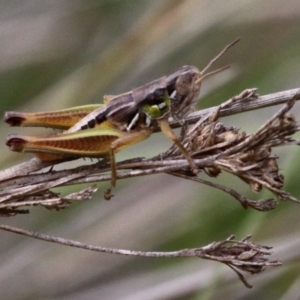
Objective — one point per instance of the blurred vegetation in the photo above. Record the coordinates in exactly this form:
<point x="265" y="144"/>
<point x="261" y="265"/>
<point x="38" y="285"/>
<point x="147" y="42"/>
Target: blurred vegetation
<point x="58" y="53"/>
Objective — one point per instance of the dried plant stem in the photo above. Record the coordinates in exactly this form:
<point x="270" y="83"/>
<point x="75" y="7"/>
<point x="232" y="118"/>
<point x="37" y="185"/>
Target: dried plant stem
<point x="243" y="255"/>
<point x="261" y="205"/>
<point x="248" y="104"/>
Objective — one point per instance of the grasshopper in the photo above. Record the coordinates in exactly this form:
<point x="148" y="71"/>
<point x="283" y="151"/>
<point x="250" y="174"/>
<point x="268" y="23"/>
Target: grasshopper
<point x="121" y="121"/>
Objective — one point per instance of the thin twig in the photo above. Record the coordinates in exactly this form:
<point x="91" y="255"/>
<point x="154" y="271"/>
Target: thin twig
<point x="252" y="103"/>
<point x="243" y="254"/>
<point x="260" y="205"/>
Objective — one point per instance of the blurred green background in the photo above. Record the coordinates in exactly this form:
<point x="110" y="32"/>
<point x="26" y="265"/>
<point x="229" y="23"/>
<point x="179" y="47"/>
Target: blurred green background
<point x="60" y="53"/>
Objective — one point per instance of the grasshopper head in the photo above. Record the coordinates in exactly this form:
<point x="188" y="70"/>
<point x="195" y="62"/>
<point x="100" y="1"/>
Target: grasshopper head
<point x="186" y="92"/>
<point x="184" y="85"/>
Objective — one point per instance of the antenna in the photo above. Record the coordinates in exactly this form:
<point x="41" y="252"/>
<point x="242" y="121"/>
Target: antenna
<point x="214" y="59"/>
